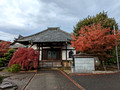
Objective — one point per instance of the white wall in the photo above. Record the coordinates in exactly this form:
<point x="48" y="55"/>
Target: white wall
<point x="64" y="52"/>
<point x="40" y="56"/>
<point x="34" y="46"/>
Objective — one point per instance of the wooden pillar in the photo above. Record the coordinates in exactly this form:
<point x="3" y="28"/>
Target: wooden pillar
<point x="61" y="56"/>
<point x="66" y="54"/>
<point x="39" y="52"/>
<point x="42" y="63"/>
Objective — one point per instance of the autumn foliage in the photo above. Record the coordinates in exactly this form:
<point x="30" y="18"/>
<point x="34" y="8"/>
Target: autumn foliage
<point x="95" y="40"/>
<point x="26" y="57"/>
<point x="4" y="47"/>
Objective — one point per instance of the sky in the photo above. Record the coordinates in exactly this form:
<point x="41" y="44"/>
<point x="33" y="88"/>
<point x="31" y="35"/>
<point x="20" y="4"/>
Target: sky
<point x="26" y="17"/>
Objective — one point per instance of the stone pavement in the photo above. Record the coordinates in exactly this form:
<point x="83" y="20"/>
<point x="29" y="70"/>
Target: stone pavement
<point x="20" y="79"/>
<point x="51" y="80"/>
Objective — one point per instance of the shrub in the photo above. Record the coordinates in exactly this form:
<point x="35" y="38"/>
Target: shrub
<point x="26" y="57"/>
<point x="2" y="62"/>
<point x="15" y="68"/>
<point x="1" y="78"/>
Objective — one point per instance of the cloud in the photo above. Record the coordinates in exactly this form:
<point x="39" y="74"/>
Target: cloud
<point x="31" y="16"/>
<point x="7" y="36"/>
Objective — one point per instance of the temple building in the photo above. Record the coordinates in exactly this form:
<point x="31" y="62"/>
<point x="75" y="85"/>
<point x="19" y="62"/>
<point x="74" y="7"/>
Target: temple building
<point x="53" y="44"/>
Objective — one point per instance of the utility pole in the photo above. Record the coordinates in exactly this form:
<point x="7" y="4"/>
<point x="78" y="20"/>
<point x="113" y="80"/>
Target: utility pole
<point x="116" y="50"/>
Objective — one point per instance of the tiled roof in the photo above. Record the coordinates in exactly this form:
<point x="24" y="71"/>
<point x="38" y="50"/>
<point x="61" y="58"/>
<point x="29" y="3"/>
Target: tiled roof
<point x="48" y="35"/>
<point x="17" y="45"/>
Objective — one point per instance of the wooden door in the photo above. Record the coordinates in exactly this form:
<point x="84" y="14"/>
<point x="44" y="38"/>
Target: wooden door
<point x="44" y="54"/>
<point x="51" y="54"/>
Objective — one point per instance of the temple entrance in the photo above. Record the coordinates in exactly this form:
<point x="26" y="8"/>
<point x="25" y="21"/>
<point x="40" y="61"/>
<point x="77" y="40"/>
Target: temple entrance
<point x="51" y="54"/>
<point x="51" y="57"/>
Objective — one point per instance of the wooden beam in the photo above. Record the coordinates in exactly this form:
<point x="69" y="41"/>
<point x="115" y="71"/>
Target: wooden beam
<point x="68" y="49"/>
<point x="50" y="44"/>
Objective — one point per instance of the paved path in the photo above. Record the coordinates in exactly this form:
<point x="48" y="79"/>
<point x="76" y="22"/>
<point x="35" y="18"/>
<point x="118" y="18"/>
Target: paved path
<point x="51" y="80"/>
<point x="99" y="82"/>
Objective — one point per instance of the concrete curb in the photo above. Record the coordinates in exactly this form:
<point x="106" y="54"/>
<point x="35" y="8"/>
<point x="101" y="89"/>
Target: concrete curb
<point x="79" y="86"/>
<point x="71" y="74"/>
<point x="29" y="81"/>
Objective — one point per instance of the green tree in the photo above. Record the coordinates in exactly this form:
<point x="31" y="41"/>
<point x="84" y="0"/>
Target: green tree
<point x="7" y="56"/>
<point x="101" y="18"/>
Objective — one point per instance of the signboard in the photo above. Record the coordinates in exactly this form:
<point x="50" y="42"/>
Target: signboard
<point x="83" y="65"/>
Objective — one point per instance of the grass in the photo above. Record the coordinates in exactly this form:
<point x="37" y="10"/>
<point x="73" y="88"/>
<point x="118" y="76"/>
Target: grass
<point x="6" y="70"/>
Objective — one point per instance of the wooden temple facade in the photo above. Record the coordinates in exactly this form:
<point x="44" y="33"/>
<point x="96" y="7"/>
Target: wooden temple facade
<point x="54" y="47"/>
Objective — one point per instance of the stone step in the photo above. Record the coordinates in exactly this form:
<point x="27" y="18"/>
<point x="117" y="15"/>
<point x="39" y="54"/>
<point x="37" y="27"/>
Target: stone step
<point x="50" y="64"/>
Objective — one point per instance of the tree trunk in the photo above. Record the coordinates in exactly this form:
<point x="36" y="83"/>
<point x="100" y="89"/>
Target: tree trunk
<point x="104" y="65"/>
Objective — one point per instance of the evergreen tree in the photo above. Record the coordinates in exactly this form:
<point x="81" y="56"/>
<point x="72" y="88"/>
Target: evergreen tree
<point x="9" y="55"/>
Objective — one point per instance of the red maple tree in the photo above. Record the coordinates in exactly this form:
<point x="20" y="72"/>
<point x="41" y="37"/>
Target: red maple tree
<point x="26" y="57"/>
<point x="4" y="47"/>
<point x="95" y="40"/>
